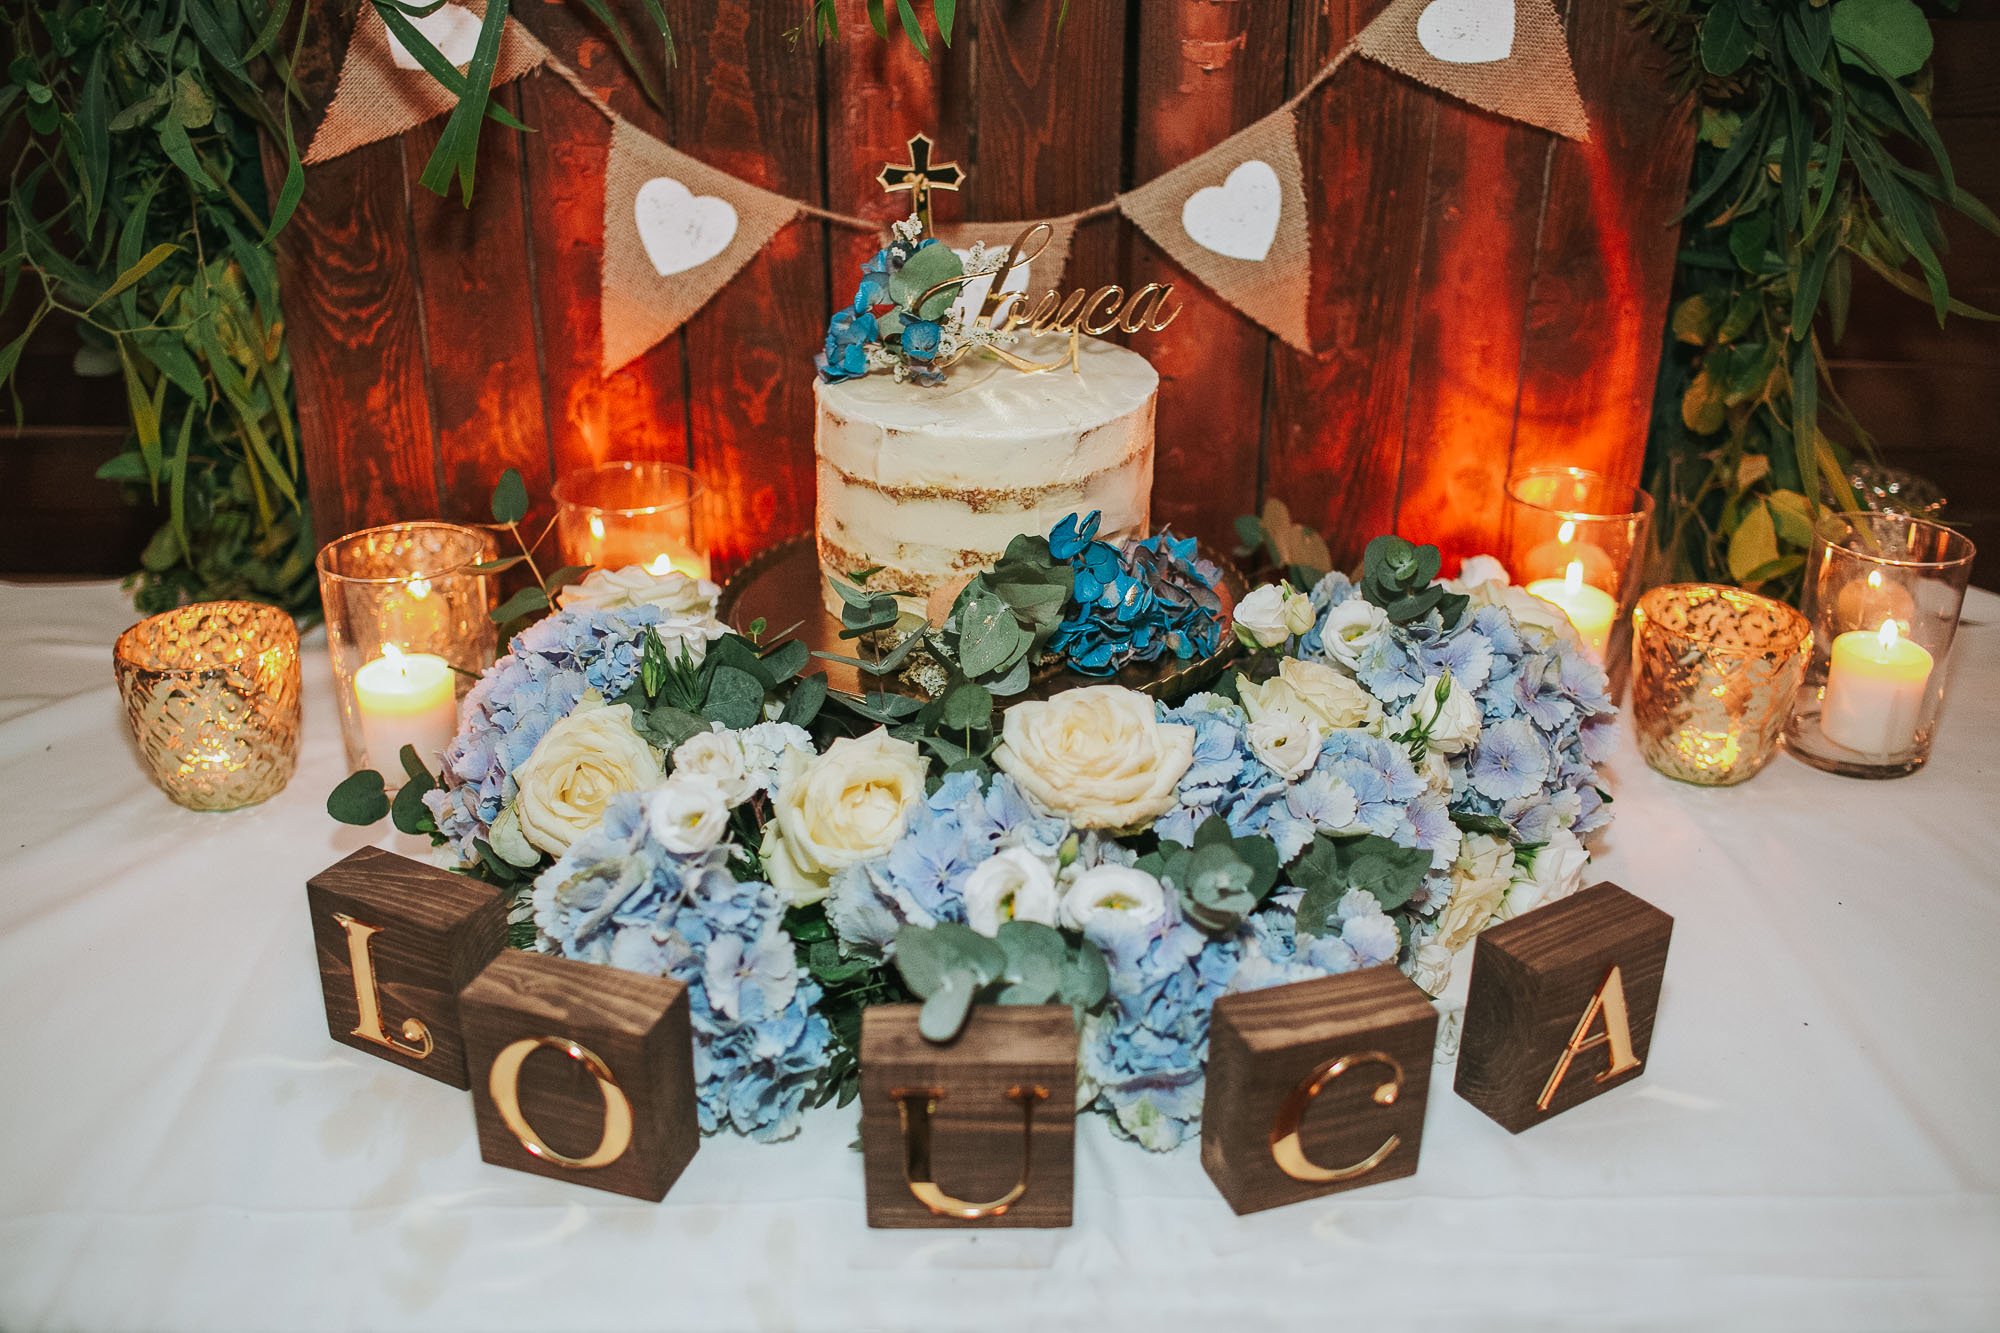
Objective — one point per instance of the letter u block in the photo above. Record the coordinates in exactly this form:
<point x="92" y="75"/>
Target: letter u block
<point x="979" y="1131"/>
<point x="397" y="939"/>
<point x="1562" y="1005"/>
<point x="582" y="1073"/>
<point x="1316" y="1087"/>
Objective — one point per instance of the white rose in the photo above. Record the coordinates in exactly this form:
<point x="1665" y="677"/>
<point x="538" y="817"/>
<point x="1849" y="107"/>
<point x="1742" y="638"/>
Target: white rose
<point x="716" y="757"/>
<point x="838" y="809"/>
<point x="1285" y="743"/>
<point x="635" y="585"/>
<point x="1098" y="756"/>
<point x="1013" y="885"/>
<point x="1444" y="711"/>
<point x="688" y="817"/>
<point x="575" y="770"/>
<point x="1553" y="870"/>
<point x="1314" y="692"/>
<point x="1260" y="617"/>
<point x="1479" y="570"/>
<point x="1112" y="894"/>
<point x="1479" y="881"/>
<point x="1352" y="629"/>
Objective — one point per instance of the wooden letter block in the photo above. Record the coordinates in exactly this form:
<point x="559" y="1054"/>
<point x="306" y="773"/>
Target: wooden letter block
<point x="397" y="940"/>
<point x="1316" y="1087"/>
<point x="581" y="1072"/>
<point x="978" y="1132"/>
<point x="1562" y="1005"/>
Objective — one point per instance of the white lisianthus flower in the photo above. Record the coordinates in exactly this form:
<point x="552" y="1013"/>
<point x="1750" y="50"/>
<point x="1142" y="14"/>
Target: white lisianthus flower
<point x="1285" y="743"/>
<point x="635" y="585"/>
<point x="1113" y="895"/>
<point x="1351" y="629"/>
<point x="575" y="770"/>
<point x="1444" y="712"/>
<point x="1479" y="882"/>
<point x="1260" y="617"/>
<point x="838" y="809"/>
<point x="1314" y="692"/>
<point x="687" y="816"/>
<point x="1553" y="870"/>
<point x="1300" y="613"/>
<point x="1012" y="885"/>
<point x="1098" y="755"/>
<point x="716" y="757"/>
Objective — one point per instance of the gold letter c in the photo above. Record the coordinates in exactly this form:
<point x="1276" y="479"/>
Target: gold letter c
<point x="1287" y="1150"/>
<point x="504" y="1082"/>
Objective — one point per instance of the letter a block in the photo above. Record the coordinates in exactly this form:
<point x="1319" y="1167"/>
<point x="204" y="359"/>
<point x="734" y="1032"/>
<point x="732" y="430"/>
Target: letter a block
<point x="582" y="1073"/>
<point x="396" y="940"/>
<point x="979" y="1131"/>
<point x="1562" y="1005"/>
<point x="1316" y="1087"/>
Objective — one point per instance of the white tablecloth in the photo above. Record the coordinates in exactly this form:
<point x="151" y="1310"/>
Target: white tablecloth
<point x="1815" y="1145"/>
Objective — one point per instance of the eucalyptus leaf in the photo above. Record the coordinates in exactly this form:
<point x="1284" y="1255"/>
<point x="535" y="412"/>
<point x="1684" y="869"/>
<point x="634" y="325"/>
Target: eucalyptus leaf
<point x="946" y="1009"/>
<point x="735" y="698"/>
<point x="360" y="798"/>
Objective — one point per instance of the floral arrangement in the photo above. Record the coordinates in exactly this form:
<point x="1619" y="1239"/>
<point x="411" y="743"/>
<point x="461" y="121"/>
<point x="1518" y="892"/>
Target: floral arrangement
<point x="1393" y="764"/>
<point x="890" y="326"/>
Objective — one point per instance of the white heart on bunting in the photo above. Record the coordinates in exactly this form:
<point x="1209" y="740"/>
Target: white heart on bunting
<point x="452" y="29"/>
<point x="1238" y="218"/>
<point x="1468" y="32"/>
<point x="680" y="229"/>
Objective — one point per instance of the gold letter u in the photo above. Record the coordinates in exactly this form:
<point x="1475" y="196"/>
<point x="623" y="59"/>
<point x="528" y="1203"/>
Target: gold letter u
<point x="916" y="1106"/>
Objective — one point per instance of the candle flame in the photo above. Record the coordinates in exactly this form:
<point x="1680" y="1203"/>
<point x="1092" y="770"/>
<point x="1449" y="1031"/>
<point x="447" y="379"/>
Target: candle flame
<point x="420" y="588"/>
<point x="1566" y="533"/>
<point x="1874" y="578"/>
<point x="597" y="527"/>
<point x="1888" y="634"/>
<point x="394" y="657"/>
<point x="661" y="564"/>
<point x="1573" y="577"/>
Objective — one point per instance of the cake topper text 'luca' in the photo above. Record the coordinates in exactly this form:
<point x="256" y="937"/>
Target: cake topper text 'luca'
<point x="933" y="330"/>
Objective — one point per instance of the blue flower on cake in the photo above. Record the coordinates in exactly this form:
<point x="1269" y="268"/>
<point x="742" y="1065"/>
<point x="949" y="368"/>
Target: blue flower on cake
<point x="1137" y="602"/>
<point x="649" y="890"/>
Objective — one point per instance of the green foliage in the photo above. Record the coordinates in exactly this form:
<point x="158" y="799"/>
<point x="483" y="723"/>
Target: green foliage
<point x="1815" y="153"/>
<point x="1220" y="879"/>
<point x="1332" y="866"/>
<point x="951" y="967"/>
<point x="1398" y="575"/>
<point x="510" y="506"/>
<point x="136" y="207"/>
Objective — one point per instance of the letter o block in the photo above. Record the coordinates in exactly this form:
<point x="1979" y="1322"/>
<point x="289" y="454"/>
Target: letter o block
<point x="1562" y="1005"/>
<point x="1316" y="1087"/>
<point x="581" y="1073"/>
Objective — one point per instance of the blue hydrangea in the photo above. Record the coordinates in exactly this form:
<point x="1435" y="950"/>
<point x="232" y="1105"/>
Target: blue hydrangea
<point x="620" y="898"/>
<point x="1136" y="602"/>
<point x="547" y="669"/>
<point x="1227" y="779"/>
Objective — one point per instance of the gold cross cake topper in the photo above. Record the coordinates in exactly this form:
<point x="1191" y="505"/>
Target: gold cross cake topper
<point x="920" y="176"/>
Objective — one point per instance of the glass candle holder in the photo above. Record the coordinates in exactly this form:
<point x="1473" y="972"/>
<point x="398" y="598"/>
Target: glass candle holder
<point x="1714" y="673"/>
<point x="1883" y="592"/>
<point x="618" y="514"/>
<point x="408" y="630"/>
<point x="212" y="695"/>
<point x="1579" y="539"/>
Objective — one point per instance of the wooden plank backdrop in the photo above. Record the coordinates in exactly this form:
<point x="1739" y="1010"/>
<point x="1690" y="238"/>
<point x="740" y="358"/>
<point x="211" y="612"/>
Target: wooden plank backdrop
<point x="1485" y="294"/>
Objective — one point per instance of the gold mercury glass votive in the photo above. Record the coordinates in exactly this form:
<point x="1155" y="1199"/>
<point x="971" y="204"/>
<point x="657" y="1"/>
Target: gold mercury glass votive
<point x="212" y="694"/>
<point x="1714" y="671"/>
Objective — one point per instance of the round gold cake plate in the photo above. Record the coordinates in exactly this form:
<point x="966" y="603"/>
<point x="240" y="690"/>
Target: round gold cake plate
<point x="781" y="587"/>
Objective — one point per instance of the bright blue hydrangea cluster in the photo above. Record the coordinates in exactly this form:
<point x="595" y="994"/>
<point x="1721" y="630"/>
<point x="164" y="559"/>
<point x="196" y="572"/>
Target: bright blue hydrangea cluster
<point x="1135" y="602"/>
<point x="860" y="324"/>
<point x="545" y="672"/>
<point x="619" y="897"/>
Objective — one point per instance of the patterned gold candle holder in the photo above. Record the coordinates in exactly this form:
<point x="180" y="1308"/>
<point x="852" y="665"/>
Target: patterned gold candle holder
<point x="212" y="695"/>
<point x="1714" y="672"/>
<point x="408" y="631"/>
<point x="1579" y="539"/>
<point x="627" y="513"/>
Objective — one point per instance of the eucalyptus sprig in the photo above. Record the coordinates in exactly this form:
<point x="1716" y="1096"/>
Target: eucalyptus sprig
<point x="1400" y="577"/>
<point x="951" y="967"/>
<point x="510" y="506"/>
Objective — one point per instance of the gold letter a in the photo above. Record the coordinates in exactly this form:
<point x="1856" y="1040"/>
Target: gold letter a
<point x="1610" y="1002"/>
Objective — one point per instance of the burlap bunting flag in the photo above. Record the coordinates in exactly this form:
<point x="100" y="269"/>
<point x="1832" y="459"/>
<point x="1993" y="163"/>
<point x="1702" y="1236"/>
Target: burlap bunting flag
<point x="1508" y="56"/>
<point x="675" y="230"/>
<point x="1235" y="217"/>
<point x="384" y="91"/>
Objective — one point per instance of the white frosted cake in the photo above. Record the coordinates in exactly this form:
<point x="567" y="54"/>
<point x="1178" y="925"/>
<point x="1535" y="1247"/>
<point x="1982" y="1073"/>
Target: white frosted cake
<point x="930" y="484"/>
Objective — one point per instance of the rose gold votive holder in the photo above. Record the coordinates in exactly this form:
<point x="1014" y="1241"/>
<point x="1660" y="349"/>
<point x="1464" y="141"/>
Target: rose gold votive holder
<point x="212" y="695"/>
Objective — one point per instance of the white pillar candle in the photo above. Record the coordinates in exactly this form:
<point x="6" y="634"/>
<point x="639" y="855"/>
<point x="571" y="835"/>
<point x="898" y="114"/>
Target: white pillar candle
<point x="1591" y="610"/>
<point x="1875" y="691"/>
<point x="405" y="699"/>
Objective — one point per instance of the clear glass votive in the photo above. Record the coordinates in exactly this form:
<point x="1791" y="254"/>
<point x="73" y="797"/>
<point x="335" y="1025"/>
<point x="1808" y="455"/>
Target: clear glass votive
<point x="1883" y="592"/>
<point x="1714" y="672"/>
<point x="1579" y="539"/>
<point x="628" y="513"/>
<point x="212" y="695"/>
<point x="408" y="630"/>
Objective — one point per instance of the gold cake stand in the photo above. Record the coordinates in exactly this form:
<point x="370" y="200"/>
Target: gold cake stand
<point x="781" y="587"/>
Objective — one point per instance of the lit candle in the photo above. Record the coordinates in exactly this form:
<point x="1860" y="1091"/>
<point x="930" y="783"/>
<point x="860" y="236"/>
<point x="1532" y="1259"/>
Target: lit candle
<point x="686" y="562"/>
<point x="1870" y="601"/>
<point x="1591" y="610"/>
<point x="404" y="699"/>
<point x="1549" y="557"/>
<point x="1875" y="691"/>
